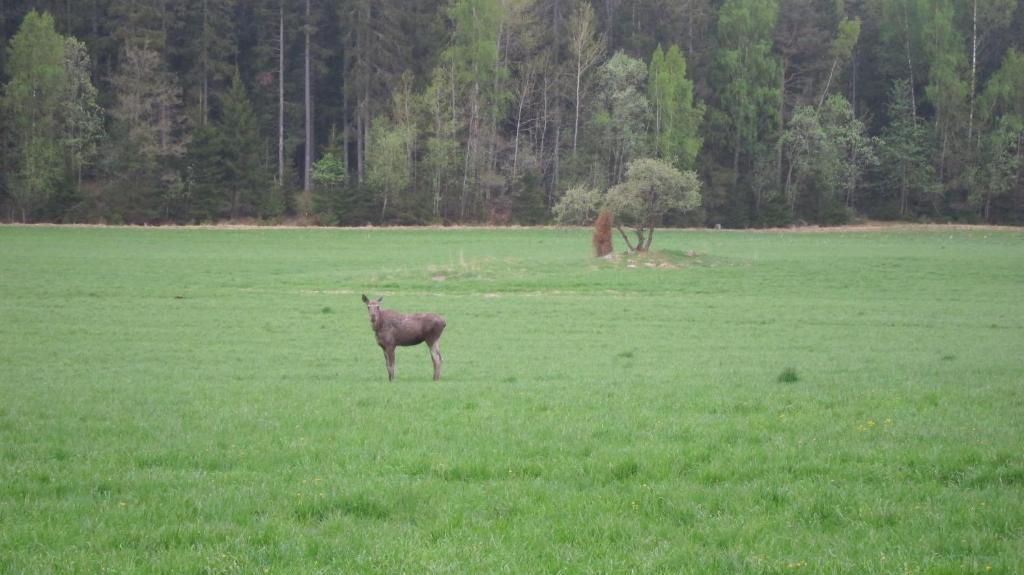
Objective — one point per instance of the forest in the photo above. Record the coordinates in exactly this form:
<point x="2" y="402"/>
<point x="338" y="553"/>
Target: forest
<point x="407" y="112"/>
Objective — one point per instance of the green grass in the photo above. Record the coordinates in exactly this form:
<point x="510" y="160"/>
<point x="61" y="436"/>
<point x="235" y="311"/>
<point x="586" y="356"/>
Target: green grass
<point x="213" y="401"/>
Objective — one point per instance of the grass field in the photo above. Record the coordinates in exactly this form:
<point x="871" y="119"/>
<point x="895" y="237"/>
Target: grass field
<point x="212" y="400"/>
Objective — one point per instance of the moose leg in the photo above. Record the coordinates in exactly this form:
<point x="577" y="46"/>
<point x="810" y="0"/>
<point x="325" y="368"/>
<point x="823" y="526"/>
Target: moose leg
<point x="435" y="356"/>
<point x="389" y="360"/>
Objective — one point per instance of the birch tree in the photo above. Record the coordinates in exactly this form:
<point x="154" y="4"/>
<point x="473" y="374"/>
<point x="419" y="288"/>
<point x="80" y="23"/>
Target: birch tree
<point x="621" y="124"/>
<point x="474" y="63"/>
<point x="32" y="101"/>
<point x="586" y="46"/>
<point x="826" y="150"/>
<point x="388" y="167"/>
<point x="947" y="89"/>
<point x="677" y="117"/>
<point x="987" y="18"/>
<point x="1000" y="169"/>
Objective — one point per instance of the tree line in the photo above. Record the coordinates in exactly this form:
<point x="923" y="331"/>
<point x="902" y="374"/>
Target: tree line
<point x="509" y="111"/>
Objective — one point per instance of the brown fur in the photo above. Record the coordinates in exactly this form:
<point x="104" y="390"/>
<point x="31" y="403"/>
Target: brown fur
<point x="394" y="329"/>
<point x="602" y="239"/>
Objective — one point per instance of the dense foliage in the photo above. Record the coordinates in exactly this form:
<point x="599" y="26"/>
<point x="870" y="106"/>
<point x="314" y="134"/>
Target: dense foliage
<point x="438" y="111"/>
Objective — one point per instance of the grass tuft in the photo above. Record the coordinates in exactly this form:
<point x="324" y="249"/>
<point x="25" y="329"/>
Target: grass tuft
<point x="624" y="470"/>
<point x="788" y="375"/>
<point x="323" y="508"/>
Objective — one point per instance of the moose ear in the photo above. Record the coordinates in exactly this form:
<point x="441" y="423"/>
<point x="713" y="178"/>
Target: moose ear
<point x="380" y="299"/>
<point x="365" y="299"/>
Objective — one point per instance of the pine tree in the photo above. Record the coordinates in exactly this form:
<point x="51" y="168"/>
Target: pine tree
<point x="152" y="132"/>
<point x="247" y="182"/>
<point x="330" y="175"/>
<point x="905" y="155"/>
<point x="82" y="116"/>
<point x="208" y="47"/>
<point x="230" y="175"/>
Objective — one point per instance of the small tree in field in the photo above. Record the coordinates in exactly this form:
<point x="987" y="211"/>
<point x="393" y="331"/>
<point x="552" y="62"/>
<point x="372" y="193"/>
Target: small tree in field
<point x="651" y="189"/>
<point x="579" y="205"/>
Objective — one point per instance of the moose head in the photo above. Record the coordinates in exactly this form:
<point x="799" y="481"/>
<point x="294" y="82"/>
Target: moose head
<point x="373" y="306"/>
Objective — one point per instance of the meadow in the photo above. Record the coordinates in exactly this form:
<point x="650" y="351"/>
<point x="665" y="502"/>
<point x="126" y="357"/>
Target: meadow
<point x="213" y="401"/>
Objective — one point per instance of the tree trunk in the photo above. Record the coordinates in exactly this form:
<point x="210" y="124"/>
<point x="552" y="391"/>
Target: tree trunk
<point x="492" y="156"/>
<point x="828" y="83"/>
<point x="519" y="122"/>
<point x="280" y="95"/>
<point x="852" y="184"/>
<point x="788" y="190"/>
<point x="758" y="197"/>
<point x="910" y="61"/>
<point x="204" y="110"/>
<point x="974" y="72"/>
<point x="558" y="147"/>
<point x="544" y="136"/>
<point x="543" y="116"/>
<point x="307" y="183"/>
<point x="656" y="104"/>
<point x="650" y="237"/>
<point x="576" y="127"/>
<point x="470" y="148"/>
<point x="164" y="136"/>
<point x="942" y="155"/>
<point x="625" y="237"/>
<point x="689" y="30"/>
<point x="360" y="141"/>
<point x="782" y="119"/>
<point x="853" y="80"/>
<point x="903" y="193"/>
<point x="346" y="136"/>
<point x="736" y="162"/>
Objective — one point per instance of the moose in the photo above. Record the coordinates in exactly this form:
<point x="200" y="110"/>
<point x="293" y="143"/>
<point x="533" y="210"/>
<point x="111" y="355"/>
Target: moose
<point x="394" y="329"/>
